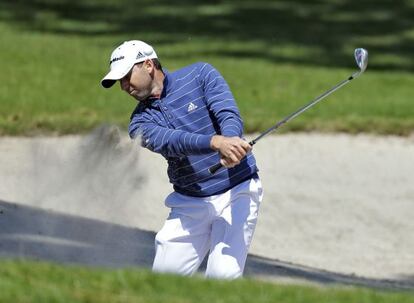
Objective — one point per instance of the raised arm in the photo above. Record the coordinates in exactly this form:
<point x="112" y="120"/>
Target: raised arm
<point x="220" y="101"/>
<point x="168" y="142"/>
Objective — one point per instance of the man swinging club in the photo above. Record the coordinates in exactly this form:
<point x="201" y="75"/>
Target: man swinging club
<point x="190" y="117"/>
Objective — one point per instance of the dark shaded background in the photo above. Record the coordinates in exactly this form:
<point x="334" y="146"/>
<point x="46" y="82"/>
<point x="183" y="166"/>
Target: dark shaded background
<point x="327" y="27"/>
<point x="29" y="232"/>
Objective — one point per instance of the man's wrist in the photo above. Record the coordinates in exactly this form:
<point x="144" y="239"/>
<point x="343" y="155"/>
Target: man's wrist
<point x="215" y="142"/>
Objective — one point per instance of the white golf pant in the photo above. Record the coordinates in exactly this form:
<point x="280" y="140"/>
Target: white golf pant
<point x="221" y="225"/>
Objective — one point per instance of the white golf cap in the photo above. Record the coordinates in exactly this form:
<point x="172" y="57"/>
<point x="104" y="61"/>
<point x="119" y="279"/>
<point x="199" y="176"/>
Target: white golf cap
<point x="123" y="59"/>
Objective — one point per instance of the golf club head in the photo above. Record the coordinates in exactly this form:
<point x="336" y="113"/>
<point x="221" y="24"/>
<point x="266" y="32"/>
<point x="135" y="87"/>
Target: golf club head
<point x="361" y="58"/>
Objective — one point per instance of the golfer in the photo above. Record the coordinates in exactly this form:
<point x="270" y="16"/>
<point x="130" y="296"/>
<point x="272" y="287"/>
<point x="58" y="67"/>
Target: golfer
<point x="190" y="117"/>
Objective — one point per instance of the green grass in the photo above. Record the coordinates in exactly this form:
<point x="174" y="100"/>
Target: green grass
<point x="28" y="281"/>
<point x="276" y="56"/>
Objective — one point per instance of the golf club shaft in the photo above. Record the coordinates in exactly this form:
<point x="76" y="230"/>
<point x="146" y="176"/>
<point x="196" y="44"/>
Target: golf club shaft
<point x="301" y="110"/>
<point x="217" y="166"/>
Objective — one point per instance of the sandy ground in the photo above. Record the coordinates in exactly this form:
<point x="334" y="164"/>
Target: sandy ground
<point x="336" y="202"/>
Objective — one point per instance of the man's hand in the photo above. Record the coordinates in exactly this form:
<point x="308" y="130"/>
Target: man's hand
<point x="232" y="149"/>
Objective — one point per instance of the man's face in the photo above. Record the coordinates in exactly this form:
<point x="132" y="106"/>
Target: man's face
<point x="138" y="82"/>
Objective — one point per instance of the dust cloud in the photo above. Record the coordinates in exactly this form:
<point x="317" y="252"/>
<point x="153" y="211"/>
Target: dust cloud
<point x="100" y="176"/>
<point x="94" y="178"/>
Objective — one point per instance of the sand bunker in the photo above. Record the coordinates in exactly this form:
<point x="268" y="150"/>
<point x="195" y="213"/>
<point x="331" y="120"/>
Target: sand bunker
<point x="336" y="202"/>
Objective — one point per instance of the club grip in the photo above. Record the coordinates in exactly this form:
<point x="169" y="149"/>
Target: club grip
<point x="212" y="170"/>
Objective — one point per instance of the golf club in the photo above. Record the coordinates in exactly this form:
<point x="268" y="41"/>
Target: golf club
<point x="361" y="58"/>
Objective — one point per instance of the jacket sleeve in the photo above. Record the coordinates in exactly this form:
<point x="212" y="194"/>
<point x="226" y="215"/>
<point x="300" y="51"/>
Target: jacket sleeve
<point x="220" y="101"/>
<point x="166" y="141"/>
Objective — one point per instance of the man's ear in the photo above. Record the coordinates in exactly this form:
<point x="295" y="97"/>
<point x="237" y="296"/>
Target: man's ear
<point x="149" y="65"/>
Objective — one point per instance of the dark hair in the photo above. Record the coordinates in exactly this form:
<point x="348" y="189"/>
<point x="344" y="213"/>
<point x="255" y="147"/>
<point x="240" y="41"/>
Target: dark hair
<point x="157" y="64"/>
